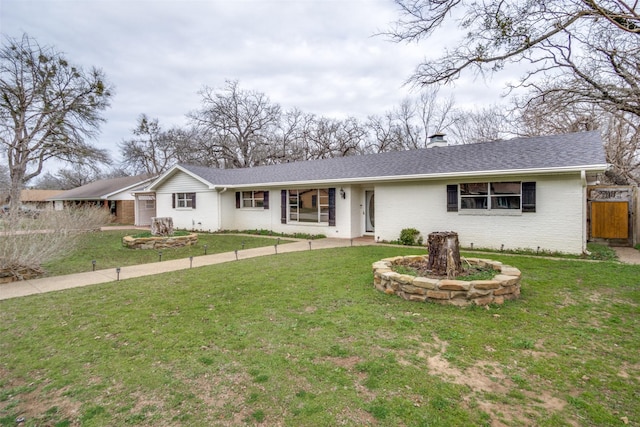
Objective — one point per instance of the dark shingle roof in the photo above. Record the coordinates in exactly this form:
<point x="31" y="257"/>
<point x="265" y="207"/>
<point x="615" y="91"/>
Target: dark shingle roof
<point x="98" y="190"/>
<point x="567" y="151"/>
<point x="34" y="195"/>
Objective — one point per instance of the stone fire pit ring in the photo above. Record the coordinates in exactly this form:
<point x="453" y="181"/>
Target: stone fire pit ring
<point x="505" y="285"/>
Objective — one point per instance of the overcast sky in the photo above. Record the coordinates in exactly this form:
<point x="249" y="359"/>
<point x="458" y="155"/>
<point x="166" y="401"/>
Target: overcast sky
<point x="321" y="56"/>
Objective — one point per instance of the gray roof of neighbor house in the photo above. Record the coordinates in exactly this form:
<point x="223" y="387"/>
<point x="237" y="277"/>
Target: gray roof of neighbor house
<point x="102" y="189"/>
<point x="573" y="151"/>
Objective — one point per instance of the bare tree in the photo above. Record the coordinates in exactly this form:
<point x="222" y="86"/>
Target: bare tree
<point x="48" y="110"/>
<point x="622" y="133"/>
<point x="150" y="151"/>
<point x="434" y="113"/>
<point x="327" y="138"/>
<point x="68" y="178"/>
<point x="385" y="133"/>
<point x="594" y="44"/>
<point x="620" y="130"/>
<point x="480" y="125"/>
<point x="5" y="183"/>
<point x="409" y="126"/>
<point x="289" y="144"/>
<point x="238" y="124"/>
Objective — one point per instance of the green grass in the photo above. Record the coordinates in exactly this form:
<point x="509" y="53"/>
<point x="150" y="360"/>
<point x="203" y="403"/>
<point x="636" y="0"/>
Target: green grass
<point x="303" y="339"/>
<point x="106" y="249"/>
<point x="601" y="252"/>
<point x="596" y="251"/>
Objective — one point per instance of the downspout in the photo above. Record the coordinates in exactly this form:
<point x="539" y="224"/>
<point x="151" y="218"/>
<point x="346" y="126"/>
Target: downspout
<point x="220" y="208"/>
<point x="583" y="181"/>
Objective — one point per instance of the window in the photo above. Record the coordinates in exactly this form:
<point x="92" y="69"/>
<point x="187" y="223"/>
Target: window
<point x="150" y="204"/>
<point x="184" y="200"/>
<point x="308" y="205"/>
<point x="505" y="195"/>
<point x="510" y="195"/>
<point x="474" y="196"/>
<point x="252" y="199"/>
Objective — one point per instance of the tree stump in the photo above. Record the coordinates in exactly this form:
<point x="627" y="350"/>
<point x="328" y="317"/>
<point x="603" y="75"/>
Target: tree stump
<point x="444" y="254"/>
<point x="162" y="226"/>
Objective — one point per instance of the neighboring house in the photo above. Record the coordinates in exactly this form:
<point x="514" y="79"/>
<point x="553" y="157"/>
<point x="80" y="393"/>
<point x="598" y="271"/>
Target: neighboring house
<point x="114" y="194"/>
<point x="520" y="193"/>
<point x="38" y="199"/>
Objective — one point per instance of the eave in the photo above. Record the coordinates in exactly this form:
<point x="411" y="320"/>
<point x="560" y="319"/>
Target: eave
<point x="423" y="177"/>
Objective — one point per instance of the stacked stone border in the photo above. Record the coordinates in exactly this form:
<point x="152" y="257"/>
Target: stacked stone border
<point x="505" y="285"/>
<point x="159" y="242"/>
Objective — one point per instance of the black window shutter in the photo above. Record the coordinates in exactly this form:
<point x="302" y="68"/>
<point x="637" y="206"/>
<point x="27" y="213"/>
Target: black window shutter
<point x="332" y="207"/>
<point x="237" y="200"/>
<point x="266" y="200"/>
<point x="173" y="200"/>
<point x="283" y="206"/>
<point x="528" y="197"/>
<point x="452" y="198"/>
<point x="193" y="200"/>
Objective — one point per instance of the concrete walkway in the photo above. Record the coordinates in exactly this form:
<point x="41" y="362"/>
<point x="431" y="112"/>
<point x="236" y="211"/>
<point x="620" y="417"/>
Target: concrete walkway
<point x="56" y="283"/>
<point x="627" y="255"/>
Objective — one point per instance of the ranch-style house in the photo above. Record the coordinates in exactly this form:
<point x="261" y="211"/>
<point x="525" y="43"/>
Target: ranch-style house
<point x="519" y="193"/>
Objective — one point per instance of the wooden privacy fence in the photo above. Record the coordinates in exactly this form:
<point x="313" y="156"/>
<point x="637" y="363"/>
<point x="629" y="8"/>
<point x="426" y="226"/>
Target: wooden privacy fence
<point x="612" y="213"/>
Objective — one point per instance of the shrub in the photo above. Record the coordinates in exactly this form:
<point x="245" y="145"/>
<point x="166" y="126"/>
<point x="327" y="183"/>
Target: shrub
<point x="28" y="242"/>
<point x="410" y="237"/>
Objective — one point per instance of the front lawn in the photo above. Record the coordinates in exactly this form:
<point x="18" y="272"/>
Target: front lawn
<point x="303" y="339"/>
<point x="105" y="247"/>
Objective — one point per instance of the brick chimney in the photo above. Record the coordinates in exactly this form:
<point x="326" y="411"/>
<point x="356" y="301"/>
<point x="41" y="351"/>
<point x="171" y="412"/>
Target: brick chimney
<point x="437" y="140"/>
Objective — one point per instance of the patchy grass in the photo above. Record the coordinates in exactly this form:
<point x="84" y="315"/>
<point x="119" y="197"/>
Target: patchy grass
<point x="105" y="247"/>
<point x="303" y="339"/>
<point x="601" y="252"/>
<point x="596" y="252"/>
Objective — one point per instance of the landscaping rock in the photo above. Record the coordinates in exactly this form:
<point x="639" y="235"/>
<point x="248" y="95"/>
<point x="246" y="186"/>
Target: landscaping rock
<point x="505" y="285"/>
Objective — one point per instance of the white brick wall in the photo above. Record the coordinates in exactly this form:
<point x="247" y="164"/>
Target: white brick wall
<point x="204" y="217"/>
<point x="556" y="225"/>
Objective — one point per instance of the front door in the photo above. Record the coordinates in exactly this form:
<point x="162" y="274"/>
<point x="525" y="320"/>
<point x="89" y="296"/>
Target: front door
<point x="369" y="211"/>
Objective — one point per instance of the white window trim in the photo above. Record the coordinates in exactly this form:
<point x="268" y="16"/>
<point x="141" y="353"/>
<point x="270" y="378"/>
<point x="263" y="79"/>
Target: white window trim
<point x="185" y="199"/>
<point x="253" y="199"/>
<point x="489" y="210"/>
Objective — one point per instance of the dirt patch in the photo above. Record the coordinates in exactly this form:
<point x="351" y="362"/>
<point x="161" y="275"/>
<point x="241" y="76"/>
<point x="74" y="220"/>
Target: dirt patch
<point x="350" y="416"/>
<point x="43" y="406"/>
<point x="347" y="363"/>
<point x="485" y="379"/>
<point x="223" y="393"/>
<point x="419" y="267"/>
<point x="629" y="371"/>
